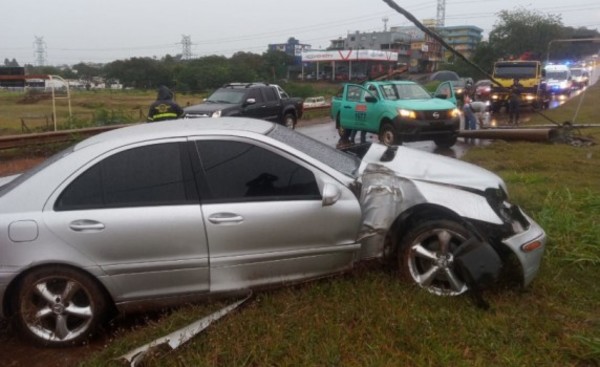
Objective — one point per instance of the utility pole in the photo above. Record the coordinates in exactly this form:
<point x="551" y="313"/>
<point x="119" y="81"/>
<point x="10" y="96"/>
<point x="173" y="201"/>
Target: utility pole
<point x="441" y="13"/>
<point x="186" y="47"/>
<point x="40" y="51"/>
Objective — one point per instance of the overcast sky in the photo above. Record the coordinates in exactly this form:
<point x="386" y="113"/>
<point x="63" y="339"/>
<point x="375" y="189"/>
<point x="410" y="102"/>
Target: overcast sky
<point x="76" y="31"/>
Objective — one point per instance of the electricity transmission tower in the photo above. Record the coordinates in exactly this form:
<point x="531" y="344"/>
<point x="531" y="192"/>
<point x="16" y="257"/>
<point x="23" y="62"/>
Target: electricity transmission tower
<point x="441" y="13"/>
<point x="40" y="51"/>
<point x="186" y="47"/>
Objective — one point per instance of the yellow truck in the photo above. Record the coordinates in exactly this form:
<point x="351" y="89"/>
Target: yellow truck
<point x="530" y="75"/>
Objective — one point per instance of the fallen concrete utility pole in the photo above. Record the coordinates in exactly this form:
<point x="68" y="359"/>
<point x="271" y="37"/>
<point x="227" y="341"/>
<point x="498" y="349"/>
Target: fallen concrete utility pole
<point x="556" y="134"/>
<point x="524" y="134"/>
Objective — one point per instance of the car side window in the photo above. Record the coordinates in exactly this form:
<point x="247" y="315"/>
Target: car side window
<point x="152" y="175"/>
<point x="256" y="94"/>
<point x="269" y="94"/>
<point x="354" y="93"/>
<point x="236" y="171"/>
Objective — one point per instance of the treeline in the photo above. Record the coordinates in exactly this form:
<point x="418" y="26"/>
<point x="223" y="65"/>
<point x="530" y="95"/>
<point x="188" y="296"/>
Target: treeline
<point x="197" y="75"/>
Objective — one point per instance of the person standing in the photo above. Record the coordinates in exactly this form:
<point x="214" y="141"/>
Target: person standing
<point x="469" y="115"/>
<point x="514" y="102"/>
<point x="363" y="136"/>
<point x="164" y="108"/>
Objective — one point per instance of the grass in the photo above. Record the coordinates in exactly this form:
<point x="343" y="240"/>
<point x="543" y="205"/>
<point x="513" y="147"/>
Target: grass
<point x="370" y="318"/>
<point x="88" y="108"/>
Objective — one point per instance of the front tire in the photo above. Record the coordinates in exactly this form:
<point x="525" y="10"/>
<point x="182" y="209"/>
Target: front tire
<point x="289" y="120"/>
<point x="426" y="256"/>
<point x="445" y="142"/>
<point x="57" y="306"/>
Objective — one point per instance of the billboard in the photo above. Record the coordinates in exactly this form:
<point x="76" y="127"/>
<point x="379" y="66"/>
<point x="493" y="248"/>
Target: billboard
<point x="349" y="55"/>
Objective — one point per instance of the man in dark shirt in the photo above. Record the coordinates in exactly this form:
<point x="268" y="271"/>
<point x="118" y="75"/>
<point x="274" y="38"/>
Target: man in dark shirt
<point x="514" y="102"/>
<point x="164" y="108"/>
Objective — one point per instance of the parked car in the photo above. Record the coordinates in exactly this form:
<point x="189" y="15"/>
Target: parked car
<point x="258" y="100"/>
<point x="483" y="89"/>
<point x="398" y="111"/>
<point x="581" y="77"/>
<point x="312" y="102"/>
<point x="175" y="211"/>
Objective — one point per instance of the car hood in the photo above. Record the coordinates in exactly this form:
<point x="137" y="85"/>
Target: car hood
<point x="423" y="166"/>
<point x="424" y="104"/>
<point x="207" y="107"/>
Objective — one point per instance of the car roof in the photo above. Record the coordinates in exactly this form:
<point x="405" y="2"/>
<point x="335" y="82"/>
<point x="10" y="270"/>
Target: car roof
<point x="178" y="128"/>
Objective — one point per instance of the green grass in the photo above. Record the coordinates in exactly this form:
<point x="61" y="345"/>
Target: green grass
<point x="370" y="318"/>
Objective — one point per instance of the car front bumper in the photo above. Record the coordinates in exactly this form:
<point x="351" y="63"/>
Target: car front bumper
<point x="528" y="246"/>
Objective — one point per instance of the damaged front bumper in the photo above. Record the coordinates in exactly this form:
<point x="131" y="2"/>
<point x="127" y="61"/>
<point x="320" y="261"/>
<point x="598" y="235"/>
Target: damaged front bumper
<point x="528" y="246"/>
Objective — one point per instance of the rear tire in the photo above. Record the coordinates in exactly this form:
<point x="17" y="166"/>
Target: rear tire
<point x="388" y="135"/>
<point x="57" y="306"/>
<point x="289" y="120"/>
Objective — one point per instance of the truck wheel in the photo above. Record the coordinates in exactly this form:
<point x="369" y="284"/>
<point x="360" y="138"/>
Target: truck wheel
<point x="289" y="120"/>
<point x="445" y="142"/>
<point x="387" y="134"/>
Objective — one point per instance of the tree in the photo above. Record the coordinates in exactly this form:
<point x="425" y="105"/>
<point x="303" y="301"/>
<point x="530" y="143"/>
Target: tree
<point x="12" y="63"/>
<point x="521" y="30"/>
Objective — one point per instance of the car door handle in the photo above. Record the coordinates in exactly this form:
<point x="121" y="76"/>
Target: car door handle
<point x="219" y="218"/>
<point x="83" y="225"/>
<point x="347" y="106"/>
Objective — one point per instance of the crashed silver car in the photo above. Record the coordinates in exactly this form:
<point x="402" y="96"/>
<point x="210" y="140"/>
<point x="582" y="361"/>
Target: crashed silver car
<point x="169" y="212"/>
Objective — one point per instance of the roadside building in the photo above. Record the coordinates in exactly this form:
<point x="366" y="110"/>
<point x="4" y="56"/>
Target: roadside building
<point x="463" y="39"/>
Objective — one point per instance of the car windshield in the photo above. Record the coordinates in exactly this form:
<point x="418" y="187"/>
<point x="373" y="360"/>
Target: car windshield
<point x="233" y="96"/>
<point x="343" y="162"/>
<point x="394" y="92"/>
<point x="511" y="72"/>
<point x="576" y="72"/>
<point x="559" y="75"/>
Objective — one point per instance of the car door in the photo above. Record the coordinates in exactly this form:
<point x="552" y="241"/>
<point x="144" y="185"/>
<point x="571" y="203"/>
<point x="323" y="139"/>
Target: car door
<point x="258" y="109"/>
<point x="136" y="213"/>
<point x="273" y="105"/>
<point x="445" y="91"/>
<point x="353" y="108"/>
<point x="266" y="220"/>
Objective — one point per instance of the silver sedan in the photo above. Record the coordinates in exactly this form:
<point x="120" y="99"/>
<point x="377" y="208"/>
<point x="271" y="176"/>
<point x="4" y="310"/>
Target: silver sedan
<point x="169" y="212"/>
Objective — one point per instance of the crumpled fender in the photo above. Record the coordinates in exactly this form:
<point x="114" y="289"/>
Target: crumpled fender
<point x="384" y="196"/>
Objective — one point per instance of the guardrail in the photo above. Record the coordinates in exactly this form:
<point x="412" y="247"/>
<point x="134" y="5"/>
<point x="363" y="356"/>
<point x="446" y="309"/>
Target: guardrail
<point x="24" y="140"/>
<point x="62" y="136"/>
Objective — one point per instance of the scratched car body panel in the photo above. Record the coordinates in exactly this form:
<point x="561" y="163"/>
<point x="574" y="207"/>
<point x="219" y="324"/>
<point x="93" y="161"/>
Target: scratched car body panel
<point x="161" y="213"/>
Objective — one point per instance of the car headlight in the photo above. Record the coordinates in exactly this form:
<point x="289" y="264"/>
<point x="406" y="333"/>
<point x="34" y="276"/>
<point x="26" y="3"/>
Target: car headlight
<point x="497" y="198"/>
<point x="459" y="90"/>
<point x="494" y="96"/>
<point x="407" y="113"/>
<point x="216" y="114"/>
<point x="455" y="113"/>
<point x="529" y="97"/>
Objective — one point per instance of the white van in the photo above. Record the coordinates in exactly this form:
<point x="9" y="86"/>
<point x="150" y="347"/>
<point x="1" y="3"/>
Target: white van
<point x="315" y="102"/>
<point x="558" y="79"/>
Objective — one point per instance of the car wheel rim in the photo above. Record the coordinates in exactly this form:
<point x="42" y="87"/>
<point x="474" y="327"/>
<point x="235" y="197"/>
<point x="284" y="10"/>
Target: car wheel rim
<point x="431" y="262"/>
<point x="57" y="309"/>
<point x="388" y="137"/>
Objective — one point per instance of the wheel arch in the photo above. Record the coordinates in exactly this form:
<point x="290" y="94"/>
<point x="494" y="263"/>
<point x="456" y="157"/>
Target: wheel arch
<point x="409" y="218"/>
<point x="12" y="288"/>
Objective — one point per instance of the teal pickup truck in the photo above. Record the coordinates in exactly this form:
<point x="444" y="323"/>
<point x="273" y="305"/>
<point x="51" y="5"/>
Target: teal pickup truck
<point x="398" y="111"/>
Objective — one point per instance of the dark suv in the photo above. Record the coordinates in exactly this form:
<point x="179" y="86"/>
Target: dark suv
<point x="258" y="100"/>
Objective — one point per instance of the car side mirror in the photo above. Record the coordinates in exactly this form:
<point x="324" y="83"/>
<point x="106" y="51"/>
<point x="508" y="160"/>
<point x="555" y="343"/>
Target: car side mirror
<point x="441" y="96"/>
<point x="250" y="101"/>
<point x="331" y="194"/>
<point x="370" y="99"/>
